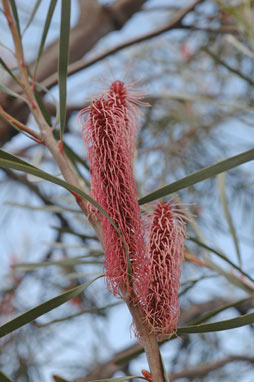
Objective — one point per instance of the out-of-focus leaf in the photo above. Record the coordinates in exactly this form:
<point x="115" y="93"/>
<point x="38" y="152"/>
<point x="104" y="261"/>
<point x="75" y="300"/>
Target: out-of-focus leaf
<point x="44" y="34"/>
<point x="80" y="313"/>
<point x="233" y="279"/>
<point x="74" y="157"/>
<point x="210" y="100"/>
<point x="238" y="45"/>
<point x="199" y="176"/>
<point x="218" y="59"/>
<point x="34" y="10"/>
<point x="224" y="203"/>
<point x="42" y="106"/>
<point x="15" y="15"/>
<point x="35" y="161"/>
<point x="60" y="263"/>
<point x="57" y="244"/>
<point x="63" y="59"/>
<point x="209" y="315"/>
<point x="4" y="378"/>
<point x="191" y="283"/>
<point x="11" y="92"/>
<point x="9" y="71"/>
<point x="54" y="209"/>
<point x="43" y="308"/>
<point x="233" y="323"/>
<point x="216" y="252"/>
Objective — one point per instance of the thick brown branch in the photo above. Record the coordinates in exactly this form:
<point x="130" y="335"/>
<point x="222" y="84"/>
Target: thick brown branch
<point x="175" y="23"/>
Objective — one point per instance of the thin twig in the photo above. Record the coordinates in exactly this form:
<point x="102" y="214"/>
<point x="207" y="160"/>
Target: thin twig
<point x="19" y="124"/>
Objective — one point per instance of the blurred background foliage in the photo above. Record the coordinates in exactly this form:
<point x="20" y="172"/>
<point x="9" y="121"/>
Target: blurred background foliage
<point x="198" y="79"/>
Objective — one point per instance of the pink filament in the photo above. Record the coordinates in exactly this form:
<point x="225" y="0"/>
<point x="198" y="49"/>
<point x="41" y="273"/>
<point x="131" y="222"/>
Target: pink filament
<point x="109" y="134"/>
<point x="165" y="247"/>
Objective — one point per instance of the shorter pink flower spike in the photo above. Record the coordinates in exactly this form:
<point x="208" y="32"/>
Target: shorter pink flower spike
<point x="165" y="247"/>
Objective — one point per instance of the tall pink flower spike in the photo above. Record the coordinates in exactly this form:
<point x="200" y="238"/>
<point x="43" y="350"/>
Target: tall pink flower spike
<point x="165" y="248"/>
<point x="109" y="134"/>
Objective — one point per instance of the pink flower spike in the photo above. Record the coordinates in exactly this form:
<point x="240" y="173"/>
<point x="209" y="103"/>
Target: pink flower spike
<point x="165" y="247"/>
<point x="109" y="134"/>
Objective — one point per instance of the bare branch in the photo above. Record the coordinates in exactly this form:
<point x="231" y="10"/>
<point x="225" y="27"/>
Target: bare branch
<point x="203" y="370"/>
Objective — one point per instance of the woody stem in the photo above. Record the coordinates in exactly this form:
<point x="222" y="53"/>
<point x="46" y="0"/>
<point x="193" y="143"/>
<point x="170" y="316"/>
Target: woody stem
<point x="149" y="342"/>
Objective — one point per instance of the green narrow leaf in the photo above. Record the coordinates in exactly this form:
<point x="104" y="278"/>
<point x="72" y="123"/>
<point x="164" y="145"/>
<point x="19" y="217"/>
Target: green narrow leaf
<point x="45" y="208"/>
<point x="218" y="59"/>
<point x="12" y="93"/>
<point x="44" y="109"/>
<point x="73" y="156"/>
<point x="220" y="255"/>
<point x="43" y="308"/>
<point x="8" y="160"/>
<point x="10" y="72"/>
<point x="63" y="59"/>
<point x="15" y="15"/>
<point x="4" y="378"/>
<point x="209" y="315"/>
<point x="199" y="176"/>
<point x="233" y="323"/>
<point x="224" y="202"/>
<point x="60" y="263"/>
<point x="165" y="374"/>
<point x="42" y="106"/>
<point x="44" y="34"/>
<point x="7" y="156"/>
<point x="80" y="313"/>
<point x="34" y="10"/>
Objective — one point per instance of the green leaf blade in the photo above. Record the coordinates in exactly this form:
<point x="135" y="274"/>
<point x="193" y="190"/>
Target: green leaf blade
<point x="44" y="33"/>
<point x="221" y="255"/>
<point x="221" y="180"/>
<point x="233" y="323"/>
<point x="15" y="15"/>
<point x="9" y="71"/>
<point x="34" y="10"/>
<point x="199" y="176"/>
<point x="43" y="308"/>
<point x="4" y="378"/>
<point x="63" y="59"/>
